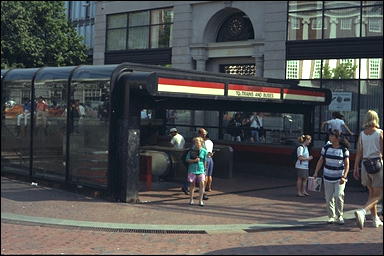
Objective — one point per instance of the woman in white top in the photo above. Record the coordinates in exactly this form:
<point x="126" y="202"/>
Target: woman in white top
<point x="370" y="145"/>
<point x="208" y="145"/>
<point x="302" y="165"/>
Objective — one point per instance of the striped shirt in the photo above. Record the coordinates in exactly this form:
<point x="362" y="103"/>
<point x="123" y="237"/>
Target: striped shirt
<point x="334" y="162"/>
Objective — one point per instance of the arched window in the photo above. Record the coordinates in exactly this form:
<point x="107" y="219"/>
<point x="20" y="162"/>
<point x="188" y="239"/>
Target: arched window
<point x="237" y="27"/>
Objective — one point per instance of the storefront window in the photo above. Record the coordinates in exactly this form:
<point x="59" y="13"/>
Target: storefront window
<point x="344" y="100"/>
<point x="338" y="19"/>
<point x="304" y="5"/>
<point x="340" y="4"/>
<point x="371" y="68"/>
<point x="340" y="69"/>
<point x="371" y="97"/>
<point x="372" y="21"/>
<point x="341" y="23"/>
<point x="305" y="25"/>
<point x="303" y="69"/>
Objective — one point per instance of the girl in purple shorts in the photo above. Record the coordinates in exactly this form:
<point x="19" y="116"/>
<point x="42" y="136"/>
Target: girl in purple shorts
<point x="196" y="159"/>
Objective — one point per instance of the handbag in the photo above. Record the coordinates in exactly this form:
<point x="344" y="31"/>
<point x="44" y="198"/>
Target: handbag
<point x="372" y="165"/>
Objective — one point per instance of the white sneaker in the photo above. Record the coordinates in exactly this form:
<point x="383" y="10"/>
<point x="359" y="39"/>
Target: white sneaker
<point x="377" y="222"/>
<point x="340" y="220"/>
<point x="360" y="218"/>
<point x="331" y="220"/>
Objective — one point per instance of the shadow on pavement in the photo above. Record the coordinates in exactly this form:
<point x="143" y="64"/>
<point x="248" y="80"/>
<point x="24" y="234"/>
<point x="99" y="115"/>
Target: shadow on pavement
<point x="305" y="249"/>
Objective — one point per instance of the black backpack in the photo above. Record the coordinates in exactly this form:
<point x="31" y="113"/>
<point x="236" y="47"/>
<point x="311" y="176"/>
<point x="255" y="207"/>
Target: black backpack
<point x="294" y="154"/>
<point x="193" y="153"/>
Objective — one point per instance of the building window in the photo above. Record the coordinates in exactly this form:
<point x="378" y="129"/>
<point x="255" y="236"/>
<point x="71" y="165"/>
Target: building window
<point x="346" y="24"/>
<point x="295" y="24"/>
<point x="342" y="19"/>
<point x="317" y="23"/>
<point x="239" y="69"/>
<point x="374" y="25"/>
<point x="292" y="69"/>
<point x="92" y="95"/>
<point x="374" y="66"/>
<point x="317" y="69"/>
<point x="140" y="30"/>
<point x="237" y="27"/>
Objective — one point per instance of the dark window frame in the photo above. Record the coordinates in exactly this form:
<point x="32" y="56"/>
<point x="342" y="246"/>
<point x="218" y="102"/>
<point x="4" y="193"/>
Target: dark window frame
<point x="127" y="27"/>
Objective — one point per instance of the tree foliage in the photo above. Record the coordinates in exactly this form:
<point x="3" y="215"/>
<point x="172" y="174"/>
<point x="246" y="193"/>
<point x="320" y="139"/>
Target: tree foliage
<point x="37" y="33"/>
<point x="341" y="71"/>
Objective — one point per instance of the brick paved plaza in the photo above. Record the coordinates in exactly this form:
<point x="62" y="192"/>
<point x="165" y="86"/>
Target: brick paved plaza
<point x="244" y="215"/>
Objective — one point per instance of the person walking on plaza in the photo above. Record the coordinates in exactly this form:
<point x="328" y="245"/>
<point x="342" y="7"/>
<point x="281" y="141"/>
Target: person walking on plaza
<point x="336" y="123"/>
<point x="302" y="164"/>
<point x="370" y="148"/>
<point x="196" y="169"/>
<point x="208" y="145"/>
<point x="335" y="173"/>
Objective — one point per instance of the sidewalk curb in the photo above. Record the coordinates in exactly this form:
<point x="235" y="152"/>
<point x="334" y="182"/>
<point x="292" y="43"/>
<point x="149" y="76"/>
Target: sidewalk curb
<point x="120" y="227"/>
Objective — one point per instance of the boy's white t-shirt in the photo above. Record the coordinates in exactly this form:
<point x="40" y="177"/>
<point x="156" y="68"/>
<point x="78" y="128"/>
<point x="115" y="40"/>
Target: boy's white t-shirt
<point x="336" y="124"/>
<point x="208" y="145"/>
<point x="178" y="141"/>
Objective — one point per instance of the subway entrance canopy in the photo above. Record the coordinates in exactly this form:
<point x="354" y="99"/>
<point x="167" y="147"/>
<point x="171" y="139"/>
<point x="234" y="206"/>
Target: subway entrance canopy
<point x="128" y="88"/>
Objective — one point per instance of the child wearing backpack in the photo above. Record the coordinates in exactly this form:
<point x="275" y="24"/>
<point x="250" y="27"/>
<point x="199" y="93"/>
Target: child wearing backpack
<point x="302" y="164"/>
<point x="196" y="160"/>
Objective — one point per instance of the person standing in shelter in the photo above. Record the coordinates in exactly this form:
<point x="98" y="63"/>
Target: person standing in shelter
<point x="370" y="147"/>
<point x="41" y="113"/>
<point x="257" y="130"/>
<point x="81" y="110"/>
<point x="335" y="157"/>
<point x="336" y="123"/>
<point x="208" y="145"/>
<point x="196" y="160"/>
<point x="302" y="164"/>
<point x="27" y="108"/>
<point x="177" y="140"/>
<point x="235" y="127"/>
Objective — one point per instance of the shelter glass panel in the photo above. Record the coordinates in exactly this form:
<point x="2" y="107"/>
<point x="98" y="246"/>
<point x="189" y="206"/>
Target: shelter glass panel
<point x="89" y="124"/>
<point x="16" y="123"/>
<point x="50" y="123"/>
<point x="262" y="127"/>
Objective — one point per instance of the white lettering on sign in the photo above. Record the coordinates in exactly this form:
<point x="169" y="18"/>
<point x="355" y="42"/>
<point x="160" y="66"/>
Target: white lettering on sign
<point x="250" y="94"/>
